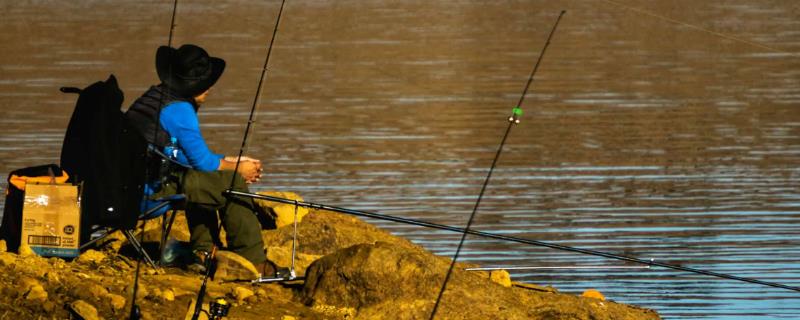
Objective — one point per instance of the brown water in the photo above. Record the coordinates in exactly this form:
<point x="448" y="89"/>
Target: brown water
<point x="640" y="136"/>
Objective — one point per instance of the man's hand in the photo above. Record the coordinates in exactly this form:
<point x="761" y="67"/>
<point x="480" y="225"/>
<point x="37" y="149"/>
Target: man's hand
<point x="250" y="169"/>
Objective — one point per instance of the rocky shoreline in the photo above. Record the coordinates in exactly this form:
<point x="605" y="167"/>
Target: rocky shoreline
<point x="353" y="270"/>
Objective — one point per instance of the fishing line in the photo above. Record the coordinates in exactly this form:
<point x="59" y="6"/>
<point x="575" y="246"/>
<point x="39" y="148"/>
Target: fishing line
<point x="135" y="313"/>
<point x="696" y="27"/>
<point x="421" y="223"/>
<point x="512" y="120"/>
<point x="254" y="108"/>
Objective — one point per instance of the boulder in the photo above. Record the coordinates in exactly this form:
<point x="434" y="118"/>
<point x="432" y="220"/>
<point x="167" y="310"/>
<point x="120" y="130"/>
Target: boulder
<point x="383" y="279"/>
<point x="282" y="256"/>
<point x="232" y="267"/>
<point x="324" y="232"/>
<point x="283" y="214"/>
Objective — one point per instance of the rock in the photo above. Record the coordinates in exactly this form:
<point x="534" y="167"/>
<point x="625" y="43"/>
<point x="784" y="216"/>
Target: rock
<point x="324" y="232"/>
<point x="26" y="283"/>
<point x="30" y="288"/>
<point x="281" y="212"/>
<point x="48" y="306"/>
<point x="117" y="301"/>
<point x="366" y="275"/>
<point x="592" y="293"/>
<point x="84" y="310"/>
<point x="179" y="231"/>
<point x="231" y="267"/>
<point x="83" y="275"/>
<point x="288" y="317"/>
<point x="91" y="256"/>
<point x="168" y="295"/>
<point x="334" y="312"/>
<point x="141" y="291"/>
<point x="97" y="292"/>
<point x="241" y="294"/>
<point x="3" y="246"/>
<point x="25" y="251"/>
<point x="115" y="245"/>
<point x="7" y="259"/>
<point x="282" y="256"/>
<point x="180" y="228"/>
<point x="190" y="311"/>
<point x="382" y="278"/>
<point x="36" y="292"/>
<point x="501" y="277"/>
<point x="52" y="278"/>
<point x="285" y="214"/>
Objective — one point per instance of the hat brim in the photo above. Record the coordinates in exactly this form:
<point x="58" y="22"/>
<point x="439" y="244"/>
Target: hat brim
<point x="186" y="88"/>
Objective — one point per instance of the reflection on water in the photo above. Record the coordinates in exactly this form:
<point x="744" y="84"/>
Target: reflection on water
<point x="640" y="137"/>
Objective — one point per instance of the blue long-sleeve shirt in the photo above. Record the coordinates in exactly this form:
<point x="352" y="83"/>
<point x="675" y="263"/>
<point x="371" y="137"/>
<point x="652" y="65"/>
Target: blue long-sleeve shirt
<point x="179" y="119"/>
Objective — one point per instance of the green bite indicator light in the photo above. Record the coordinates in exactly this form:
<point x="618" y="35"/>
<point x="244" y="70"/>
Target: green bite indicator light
<point x="515" y="114"/>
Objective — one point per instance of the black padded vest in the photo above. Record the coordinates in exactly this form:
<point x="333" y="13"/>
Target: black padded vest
<point x="144" y="112"/>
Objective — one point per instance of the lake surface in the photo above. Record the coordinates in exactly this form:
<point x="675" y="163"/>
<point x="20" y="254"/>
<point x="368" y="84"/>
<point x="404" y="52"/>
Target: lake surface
<point x="669" y="137"/>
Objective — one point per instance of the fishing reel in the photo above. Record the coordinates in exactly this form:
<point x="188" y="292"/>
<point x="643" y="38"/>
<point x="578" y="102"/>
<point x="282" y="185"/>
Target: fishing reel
<point x="218" y="308"/>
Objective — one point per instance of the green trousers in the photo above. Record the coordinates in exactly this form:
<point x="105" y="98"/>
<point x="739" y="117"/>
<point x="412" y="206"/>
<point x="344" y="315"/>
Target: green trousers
<point x="204" y="193"/>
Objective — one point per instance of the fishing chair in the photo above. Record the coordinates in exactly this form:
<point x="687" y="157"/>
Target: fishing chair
<point x="109" y="160"/>
<point x="164" y="208"/>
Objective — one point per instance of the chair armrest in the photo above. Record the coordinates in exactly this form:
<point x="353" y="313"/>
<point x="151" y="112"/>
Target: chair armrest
<point x="163" y="156"/>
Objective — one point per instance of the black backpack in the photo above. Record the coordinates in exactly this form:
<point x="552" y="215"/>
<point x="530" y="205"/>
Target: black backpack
<point x="104" y="153"/>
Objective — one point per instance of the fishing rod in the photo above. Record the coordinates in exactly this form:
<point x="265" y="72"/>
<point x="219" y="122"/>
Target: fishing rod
<point x="512" y="120"/>
<point x="136" y="313"/>
<point x="212" y="256"/>
<point x="558" y="268"/>
<point x="421" y="223"/>
<point x="254" y="107"/>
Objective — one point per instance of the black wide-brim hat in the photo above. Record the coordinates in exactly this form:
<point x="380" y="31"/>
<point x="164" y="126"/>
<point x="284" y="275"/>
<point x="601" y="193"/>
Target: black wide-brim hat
<point x="188" y="70"/>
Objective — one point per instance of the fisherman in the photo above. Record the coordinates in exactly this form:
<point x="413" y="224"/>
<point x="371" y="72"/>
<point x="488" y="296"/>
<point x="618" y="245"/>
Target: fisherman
<point x="187" y="75"/>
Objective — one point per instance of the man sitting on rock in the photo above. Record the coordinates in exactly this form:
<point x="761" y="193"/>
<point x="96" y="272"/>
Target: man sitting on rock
<point x="186" y="75"/>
